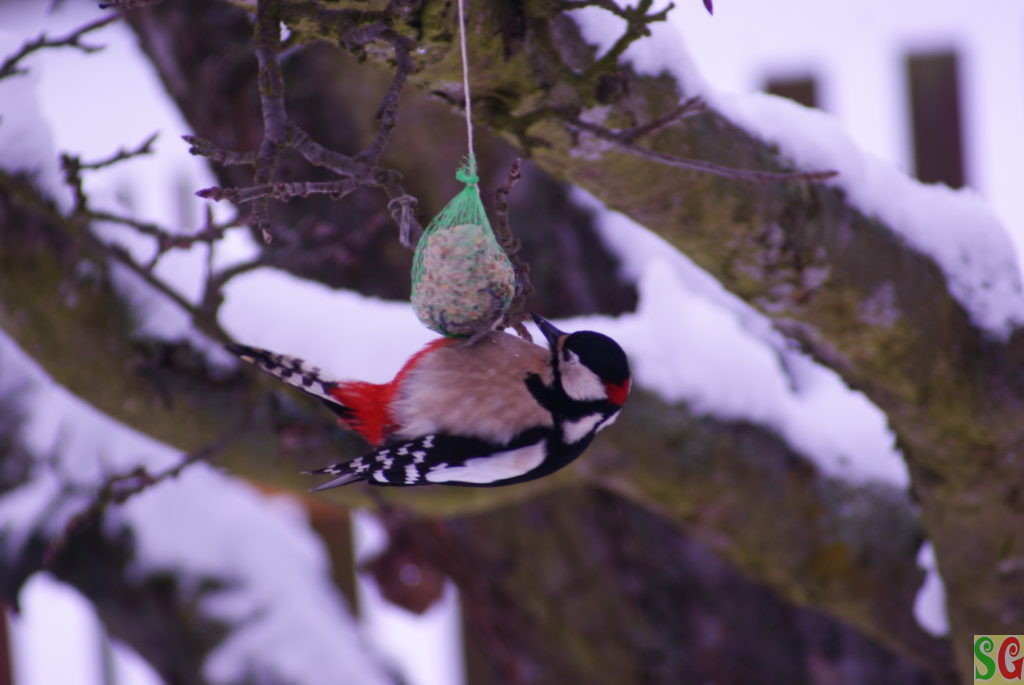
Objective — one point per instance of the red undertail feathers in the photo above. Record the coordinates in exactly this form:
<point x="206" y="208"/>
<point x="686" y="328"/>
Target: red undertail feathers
<point x="370" y="404"/>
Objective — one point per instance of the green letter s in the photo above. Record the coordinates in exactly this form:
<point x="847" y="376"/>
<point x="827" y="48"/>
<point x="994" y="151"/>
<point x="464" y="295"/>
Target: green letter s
<point x="983" y="646"/>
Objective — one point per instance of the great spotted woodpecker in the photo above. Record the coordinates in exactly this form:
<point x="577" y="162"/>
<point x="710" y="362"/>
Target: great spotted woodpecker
<point x="497" y="411"/>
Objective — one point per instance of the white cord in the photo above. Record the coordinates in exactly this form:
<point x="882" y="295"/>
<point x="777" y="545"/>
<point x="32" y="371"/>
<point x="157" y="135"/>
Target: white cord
<point x="465" y="77"/>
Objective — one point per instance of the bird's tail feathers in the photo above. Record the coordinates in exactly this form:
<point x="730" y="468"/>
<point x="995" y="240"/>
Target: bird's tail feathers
<point x="345" y="474"/>
<point x="291" y="370"/>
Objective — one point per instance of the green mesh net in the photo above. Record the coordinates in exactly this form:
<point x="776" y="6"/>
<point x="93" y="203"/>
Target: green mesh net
<point x="462" y="280"/>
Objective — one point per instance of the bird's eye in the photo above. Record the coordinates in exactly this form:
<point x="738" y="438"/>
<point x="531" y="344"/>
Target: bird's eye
<point x="570" y="357"/>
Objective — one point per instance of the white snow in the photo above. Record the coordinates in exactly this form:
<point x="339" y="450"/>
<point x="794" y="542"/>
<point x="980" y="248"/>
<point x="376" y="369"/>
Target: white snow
<point x="662" y="51"/>
<point x="954" y="227"/>
<point x="346" y="334"/>
<point x="55" y="619"/>
<point x="692" y="340"/>
<point x="856" y="51"/>
<point x="930" y="602"/>
<point x="73" y="635"/>
<point x="427" y="648"/>
<point x="290" y="619"/>
<point x="26" y="143"/>
<point x="686" y="349"/>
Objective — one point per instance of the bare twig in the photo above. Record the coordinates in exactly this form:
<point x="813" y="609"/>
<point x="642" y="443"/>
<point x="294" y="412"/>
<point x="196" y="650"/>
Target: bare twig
<point x="204" y="148"/>
<point x="72" y="168"/>
<point x="387" y="112"/>
<point x="72" y="40"/>
<point x="357" y="29"/>
<point x="213" y="295"/>
<point x="403" y="212"/>
<point x="637" y="21"/>
<point x="121" y="255"/>
<point x="275" y="118"/>
<point x="696" y="164"/>
<point x="282" y="190"/>
<point x="127" y="4"/>
<point x="144" y="148"/>
<point x="76" y="223"/>
<point x="638" y="13"/>
<point x="687" y="108"/>
<point x="503" y="231"/>
<point x="320" y="156"/>
<point x="516" y="314"/>
<point x="120" y="488"/>
<point x="166" y="240"/>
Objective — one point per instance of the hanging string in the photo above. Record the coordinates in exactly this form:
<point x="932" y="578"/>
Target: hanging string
<point x="465" y="89"/>
<point x="462" y="280"/>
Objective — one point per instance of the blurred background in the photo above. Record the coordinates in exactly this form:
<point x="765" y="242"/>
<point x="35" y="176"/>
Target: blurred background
<point x="937" y="88"/>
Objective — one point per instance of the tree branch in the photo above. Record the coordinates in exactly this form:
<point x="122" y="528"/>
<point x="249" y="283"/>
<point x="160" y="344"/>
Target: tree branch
<point x="281" y="133"/>
<point x="9" y="67"/>
<point x="516" y="314"/>
<point x="119" y="488"/>
<point x="143" y="148"/>
<point x="623" y="139"/>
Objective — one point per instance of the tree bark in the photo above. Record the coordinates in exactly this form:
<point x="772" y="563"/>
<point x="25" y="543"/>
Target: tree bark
<point x="627" y="599"/>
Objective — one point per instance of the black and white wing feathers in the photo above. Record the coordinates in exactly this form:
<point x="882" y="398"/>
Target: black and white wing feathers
<point x="452" y="460"/>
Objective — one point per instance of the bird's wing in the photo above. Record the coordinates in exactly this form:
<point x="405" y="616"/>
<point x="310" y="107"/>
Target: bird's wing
<point x="439" y="459"/>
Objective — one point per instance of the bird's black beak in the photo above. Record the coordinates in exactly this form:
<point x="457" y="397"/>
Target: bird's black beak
<point x="549" y="331"/>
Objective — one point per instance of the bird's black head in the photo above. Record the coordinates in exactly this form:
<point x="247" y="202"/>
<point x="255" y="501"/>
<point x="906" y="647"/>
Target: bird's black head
<point x="599" y="353"/>
<point x="591" y="365"/>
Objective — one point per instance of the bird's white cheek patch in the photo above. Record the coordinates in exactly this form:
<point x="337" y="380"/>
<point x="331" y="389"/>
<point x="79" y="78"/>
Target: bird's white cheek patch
<point x="498" y="466"/>
<point x="574" y="431"/>
<point x="581" y="384"/>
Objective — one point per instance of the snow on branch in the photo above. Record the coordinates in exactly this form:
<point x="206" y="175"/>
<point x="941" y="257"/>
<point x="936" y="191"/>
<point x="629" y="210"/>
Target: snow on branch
<point x="638" y="20"/>
<point x="119" y="488"/>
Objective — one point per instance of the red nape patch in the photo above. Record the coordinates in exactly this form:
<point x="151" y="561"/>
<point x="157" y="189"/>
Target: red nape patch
<point x="370" y="402"/>
<point x="617" y="392"/>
